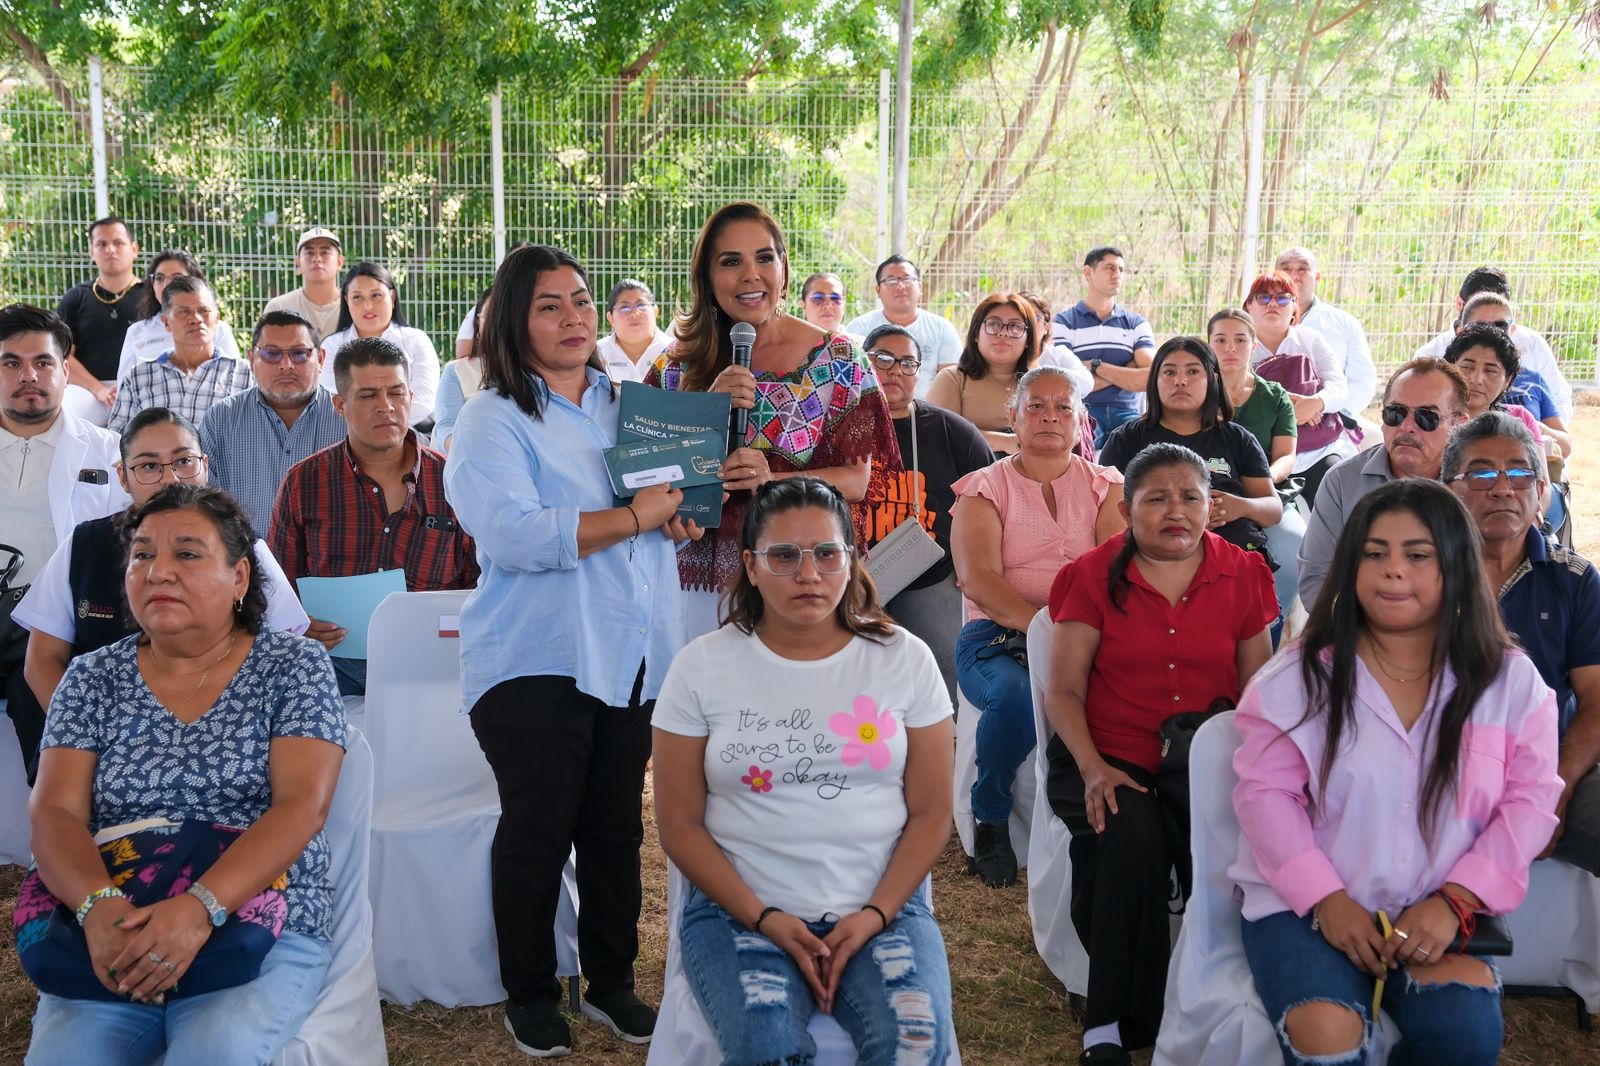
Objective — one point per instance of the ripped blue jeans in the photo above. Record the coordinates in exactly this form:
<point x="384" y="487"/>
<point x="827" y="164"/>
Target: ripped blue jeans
<point x="893" y="999"/>
<point x="1451" y="1024"/>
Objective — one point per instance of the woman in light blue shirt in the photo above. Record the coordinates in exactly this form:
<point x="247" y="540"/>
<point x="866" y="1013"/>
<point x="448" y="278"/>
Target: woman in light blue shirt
<point x="564" y="643"/>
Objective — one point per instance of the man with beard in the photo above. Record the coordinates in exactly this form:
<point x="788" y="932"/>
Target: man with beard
<point x="252" y="438"/>
<point x="1424" y="400"/>
<point x="56" y="470"/>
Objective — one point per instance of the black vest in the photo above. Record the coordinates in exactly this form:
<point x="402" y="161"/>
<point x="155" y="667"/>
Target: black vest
<point x="95" y="577"/>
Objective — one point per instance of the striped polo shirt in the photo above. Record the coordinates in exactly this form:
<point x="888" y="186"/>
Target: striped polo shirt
<point x="1112" y="340"/>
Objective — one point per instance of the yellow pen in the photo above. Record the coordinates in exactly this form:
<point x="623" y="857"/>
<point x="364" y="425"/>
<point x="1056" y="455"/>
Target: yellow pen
<point x="1377" y="992"/>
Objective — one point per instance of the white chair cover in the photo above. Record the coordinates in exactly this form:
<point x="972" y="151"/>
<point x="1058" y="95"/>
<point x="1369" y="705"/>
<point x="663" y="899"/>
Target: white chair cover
<point x="1213" y="1015"/>
<point x="1556" y="933"/>
<point x="346" y="1025"/>
<point x="1023" y="787"/>
<point x="14" y="791"/>
<point x="435" y="810"/>
<point x="1049" y="860"/>
<point x="682" y="1037"/>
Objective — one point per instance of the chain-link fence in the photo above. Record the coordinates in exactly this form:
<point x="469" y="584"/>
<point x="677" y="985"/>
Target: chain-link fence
<point x="1399" y="192"/>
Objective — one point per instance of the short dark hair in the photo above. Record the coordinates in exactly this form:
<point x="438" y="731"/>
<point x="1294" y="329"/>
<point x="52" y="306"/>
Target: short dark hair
<point x="821" y="275"/>
<point x="188" y="283"/>
<point x="238" y="539"/>
<point x="1489" y="426"/>
<point x="149" y="305"/>
<point x="153" y="416"/>
<point x="368" y="351"/>
<point x="889" y="329"/>
<point x="26" y="318"/>
<point x="1485" y="279"/>
<point x="1098" y="253"/>
<point x="1153" y="457"/>
<point x="1483" y="335"/>
<point x="284" y="318"/>
<point x="627" y="285"/>
<point x="111" y="220"/>
<point x="877" y="275"/>
<point x="1432" y="364"/>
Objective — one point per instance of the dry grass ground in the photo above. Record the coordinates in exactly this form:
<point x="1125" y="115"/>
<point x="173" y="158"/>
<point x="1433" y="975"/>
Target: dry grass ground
<point x="1010" y="1011"/>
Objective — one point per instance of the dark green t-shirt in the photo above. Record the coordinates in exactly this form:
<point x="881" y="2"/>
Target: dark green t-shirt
<point x="1267" y="414"/>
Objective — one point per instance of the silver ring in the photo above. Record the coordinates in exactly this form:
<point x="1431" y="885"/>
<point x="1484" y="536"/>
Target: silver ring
<point x="153" y="957"/>
<point x="1402" y="934"/>
<point x="169" y="966"/>
<point x="1424" y="952"/>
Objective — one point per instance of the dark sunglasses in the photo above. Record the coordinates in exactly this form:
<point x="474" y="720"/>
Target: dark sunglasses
<point x="1426" y="418"/>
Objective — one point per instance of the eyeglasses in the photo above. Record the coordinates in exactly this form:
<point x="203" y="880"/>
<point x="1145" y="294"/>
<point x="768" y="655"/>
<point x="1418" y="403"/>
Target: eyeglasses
<point x="1426" y="418"/>
<point x="820" y="298"/>
<point x="900" y="282"/>
<point x="184" y="468"/>
<point x="162" y="279"/>
<point x="1501" y="324"/>
<point x="297" y="356"/>
<point x="995" y="328"/>
<point x="1282" y="299"/>
<point x="830" y="557"/>
<point x="1518" y="478"/>
<point x="632" y="309"/>
<point x="888" y="361"/>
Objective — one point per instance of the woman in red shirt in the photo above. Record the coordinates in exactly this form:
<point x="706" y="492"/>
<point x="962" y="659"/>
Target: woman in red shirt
<point x="1163" y="619"/>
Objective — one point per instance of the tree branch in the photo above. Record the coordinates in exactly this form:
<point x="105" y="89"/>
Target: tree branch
<point x="1353" y="11"/>
<point x="53" y="81"/>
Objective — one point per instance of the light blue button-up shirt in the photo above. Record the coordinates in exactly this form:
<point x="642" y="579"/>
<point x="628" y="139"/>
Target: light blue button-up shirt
<point x="518" y="484"/>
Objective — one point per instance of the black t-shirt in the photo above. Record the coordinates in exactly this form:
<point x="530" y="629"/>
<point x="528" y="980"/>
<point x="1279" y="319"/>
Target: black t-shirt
<point x="1231" y="452"/>
<point x="98" y="328"/>
<point x="948" y="448"/>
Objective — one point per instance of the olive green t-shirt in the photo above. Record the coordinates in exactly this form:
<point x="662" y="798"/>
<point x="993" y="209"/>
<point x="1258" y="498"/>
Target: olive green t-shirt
<point x="1267" y="414"/>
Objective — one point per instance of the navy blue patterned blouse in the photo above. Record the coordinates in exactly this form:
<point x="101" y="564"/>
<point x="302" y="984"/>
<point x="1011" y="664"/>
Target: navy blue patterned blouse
<point x="215" y="768"/>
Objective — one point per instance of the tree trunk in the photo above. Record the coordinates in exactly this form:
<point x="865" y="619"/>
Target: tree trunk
<point x="59" y="89"/>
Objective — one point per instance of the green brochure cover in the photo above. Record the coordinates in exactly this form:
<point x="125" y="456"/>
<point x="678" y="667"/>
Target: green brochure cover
<point x="682" y="461"/>
<point x="655" y="414"/>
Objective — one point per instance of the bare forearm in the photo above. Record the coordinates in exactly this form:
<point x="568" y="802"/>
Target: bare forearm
<point x="1132" y="378"/>
<point x="851" y="481"/>
<point x="1580" y="748"/>
<point x="997" y="599"/>
<point x="692" y="849"/>
<point x="269" y="847"/>
<point x="599" y="530"/>
<point x="69" y="863"/>
<point x="1070" y="719"/>
<point x="43" y="668"/>
<point x="1282" y="469"/>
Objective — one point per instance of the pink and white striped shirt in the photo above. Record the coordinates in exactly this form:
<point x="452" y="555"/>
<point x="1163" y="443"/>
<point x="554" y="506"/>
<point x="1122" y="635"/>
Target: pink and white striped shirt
<point x="1302" y="842"/>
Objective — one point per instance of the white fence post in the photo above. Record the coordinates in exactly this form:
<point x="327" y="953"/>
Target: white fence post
<point x="497" y="167"/>
<point x="1252" y="188"/>
<point x="883" y="164"/>
<point x="902" y="128"/>
<point x="97" y="131"/>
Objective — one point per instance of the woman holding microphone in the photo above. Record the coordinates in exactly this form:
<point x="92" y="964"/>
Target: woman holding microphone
<point x="564" y="643"/>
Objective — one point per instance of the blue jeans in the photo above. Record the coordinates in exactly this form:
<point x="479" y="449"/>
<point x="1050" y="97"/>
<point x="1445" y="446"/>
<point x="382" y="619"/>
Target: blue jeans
<point x="1446" y="1024"/>
<point x="351" y="674"/>
<point x="241" y="1026"/>
<point x="893" y="999"/>
<point x="998" y="686"/>
<point x="1107" y="417"/>
<point x="1283" y="540"/>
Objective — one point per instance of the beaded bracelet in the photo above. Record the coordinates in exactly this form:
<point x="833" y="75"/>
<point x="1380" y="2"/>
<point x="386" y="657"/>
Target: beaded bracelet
<point x="109" y="892"/>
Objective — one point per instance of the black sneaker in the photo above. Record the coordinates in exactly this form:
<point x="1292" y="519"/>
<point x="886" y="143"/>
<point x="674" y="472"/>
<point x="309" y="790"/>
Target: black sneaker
<point x="1105" y="1055"/>
<point x="992" y="858"/>
<point x="623" y="1013"/>
<point x="538" y="1028"/>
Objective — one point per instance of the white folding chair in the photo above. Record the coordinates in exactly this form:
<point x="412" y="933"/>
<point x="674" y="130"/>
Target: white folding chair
<point x="1049" y="840"/>
<point x="1213" y="1016"/>
<point x="435" y="810"/>
<point x="1556" y="933"/>
<point x="682" y="1037"/>
<point x="345" y="1027"/>
<point x="1024" y="787"/>
<point x="14" y="792"/>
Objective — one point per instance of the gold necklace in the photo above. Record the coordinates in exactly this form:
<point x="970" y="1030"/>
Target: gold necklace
<point x="94" y="290"/>
<point x="195" y="691"/>
<point x="1377" y="657"/>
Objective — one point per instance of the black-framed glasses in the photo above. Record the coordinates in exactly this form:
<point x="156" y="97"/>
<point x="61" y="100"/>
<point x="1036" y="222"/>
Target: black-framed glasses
<point x="820" y="298"/>
<point x="1426" y="418"/>
<point x="1282" y="299"/>
<point x="1518" y="478"/>
<point x="184" y="468"/>
<point x="297" y="356"/>
<point x="1502" y="324"/>
<point x="888" y="361"/>
<point x="995" y="328"/>
<point x="829" y="557"/>
<point x="162" y="279"/>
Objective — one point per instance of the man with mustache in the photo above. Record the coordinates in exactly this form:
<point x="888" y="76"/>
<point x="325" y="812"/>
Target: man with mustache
<point x="252" y="438"/>
<point x="55" y="471"/>
<point x="1424" y="400"/>
<point x="1549" y="600"/>
<point x="194" y="374"/>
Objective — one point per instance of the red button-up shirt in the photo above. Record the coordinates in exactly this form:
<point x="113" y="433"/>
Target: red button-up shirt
<point x="331" y="520"/>
<point x="1156" y="659"/>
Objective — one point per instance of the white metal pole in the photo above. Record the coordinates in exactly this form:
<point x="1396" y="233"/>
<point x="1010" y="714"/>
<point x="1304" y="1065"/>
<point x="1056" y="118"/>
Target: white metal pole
<point x="902" y="129"/>
<point x="884" y="102"/>
<point x="97" y="132"/>
<point x="1252" y="189"/>
<point x="497" y="167"/>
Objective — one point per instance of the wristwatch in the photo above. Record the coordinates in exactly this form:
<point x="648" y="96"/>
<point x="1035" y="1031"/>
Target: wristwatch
<point x="219" y="914"/>
<point x="1094" y="367"/>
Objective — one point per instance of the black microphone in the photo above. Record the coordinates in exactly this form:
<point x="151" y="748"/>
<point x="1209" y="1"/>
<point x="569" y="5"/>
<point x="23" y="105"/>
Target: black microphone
<point x="743" y="336"/>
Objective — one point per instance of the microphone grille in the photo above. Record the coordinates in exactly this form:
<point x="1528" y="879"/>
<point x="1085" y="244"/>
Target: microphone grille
<point x="742" y="333"/>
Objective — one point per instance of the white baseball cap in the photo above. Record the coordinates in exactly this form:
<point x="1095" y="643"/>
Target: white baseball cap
<point x="317" y="233"/>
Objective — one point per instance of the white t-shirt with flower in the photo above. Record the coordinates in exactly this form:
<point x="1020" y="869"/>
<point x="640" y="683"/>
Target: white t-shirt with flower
<point x="805" y="761"/>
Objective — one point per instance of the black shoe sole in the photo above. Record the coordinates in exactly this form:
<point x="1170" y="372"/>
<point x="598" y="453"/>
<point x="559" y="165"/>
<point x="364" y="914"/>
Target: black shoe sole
<point x="555" y="1052"/>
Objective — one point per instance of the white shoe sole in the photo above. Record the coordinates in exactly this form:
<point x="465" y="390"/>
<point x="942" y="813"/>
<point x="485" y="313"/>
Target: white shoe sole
<point x="539" y="1053"/>
<point x="591" y="1011"/>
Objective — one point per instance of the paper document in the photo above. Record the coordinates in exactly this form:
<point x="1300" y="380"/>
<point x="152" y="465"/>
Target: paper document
<point x="348" y="602"/>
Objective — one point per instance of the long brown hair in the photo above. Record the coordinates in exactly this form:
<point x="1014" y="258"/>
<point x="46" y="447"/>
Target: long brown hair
<point x="859" y="611"/>
<point x="971" y="361"/>
<point x="703" y="346"/>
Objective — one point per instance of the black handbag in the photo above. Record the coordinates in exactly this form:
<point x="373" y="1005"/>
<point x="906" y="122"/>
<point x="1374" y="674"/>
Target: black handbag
<point x="1012" y="642"/>
<point x="1489" y="937"/>
<point x="13" y="638"/>
<point x="1177" y="734"/>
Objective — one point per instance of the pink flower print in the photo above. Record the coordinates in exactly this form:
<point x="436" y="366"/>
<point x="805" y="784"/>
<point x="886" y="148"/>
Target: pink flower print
<point x="758" y="779"/>
<point x="868" y="730"/>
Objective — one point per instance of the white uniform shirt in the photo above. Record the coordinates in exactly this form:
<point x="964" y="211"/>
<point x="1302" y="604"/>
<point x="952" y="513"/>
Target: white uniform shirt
<point x="620" y="367"/>
<point x="51" y="482"/>
<point x="418" y="348"/>
<point x="1344" y="334"/>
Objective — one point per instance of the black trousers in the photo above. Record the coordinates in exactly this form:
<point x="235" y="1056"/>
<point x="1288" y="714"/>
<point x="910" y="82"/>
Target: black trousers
<point x="1121" y="885"/>
<point x="570" y="772"/>
<point x="21" y="704"/>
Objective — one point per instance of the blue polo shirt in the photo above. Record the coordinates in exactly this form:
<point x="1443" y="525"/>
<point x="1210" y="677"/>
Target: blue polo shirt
<point x="1552" y="606"/>
<point x="1113" y="340"/>
<point x="1530" y="390"/>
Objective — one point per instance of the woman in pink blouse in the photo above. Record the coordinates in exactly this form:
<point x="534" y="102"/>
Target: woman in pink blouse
<point x="1015" y="524"/>
<point x="1400" y="757"/>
